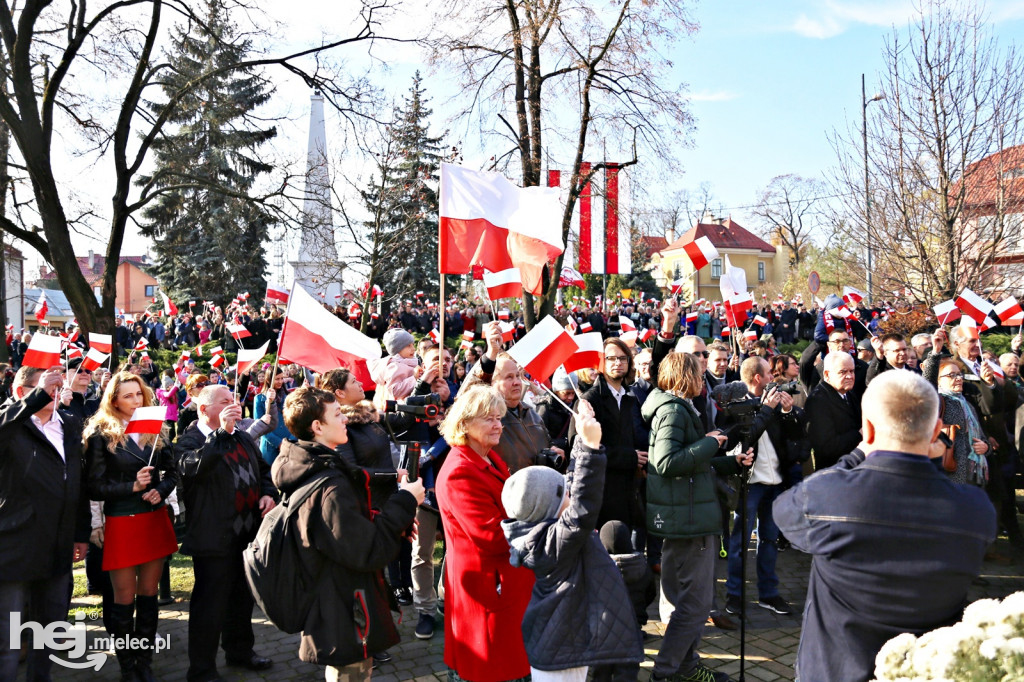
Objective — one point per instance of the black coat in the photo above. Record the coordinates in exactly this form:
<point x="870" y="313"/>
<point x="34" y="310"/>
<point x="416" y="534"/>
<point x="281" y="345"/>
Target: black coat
<point x="620" y="497"/>
<point x="44" y="508"/>
<point x="556" y="420"/>
<point x="369" y="447"/>
<point x="833" y="425"/>
<point x="338" y="532"/>
<point x="811" y="371"/>
<point x="112" y="475"/>
<point x="208" y="489"/>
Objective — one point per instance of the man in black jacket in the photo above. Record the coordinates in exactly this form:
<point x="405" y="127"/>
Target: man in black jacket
<point x="614" y="407"/>
<point x="776" y="422"/>
<point x="227" y="490"/>
<point x="890" y="353"/>
<point x="44" y="515"/>
<point x="811" y="368"/>
<point x="833" y="418"/>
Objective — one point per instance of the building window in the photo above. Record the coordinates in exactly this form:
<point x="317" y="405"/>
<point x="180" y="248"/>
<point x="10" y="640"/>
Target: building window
<point x="677" y="272"/>
<point x="760" y="271"/>
<point x="150" y="290"/>
<point x="716" y="268"/>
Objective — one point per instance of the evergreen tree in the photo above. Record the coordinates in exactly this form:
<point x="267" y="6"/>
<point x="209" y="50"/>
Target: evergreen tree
<point x="409" y="201"/>
<point x="208" y="234"/>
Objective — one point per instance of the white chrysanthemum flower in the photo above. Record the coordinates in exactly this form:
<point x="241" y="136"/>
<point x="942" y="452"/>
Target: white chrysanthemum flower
<point x="990" y="647"/>
<point x="982" y="612"/>
<point x="892" y="657"/>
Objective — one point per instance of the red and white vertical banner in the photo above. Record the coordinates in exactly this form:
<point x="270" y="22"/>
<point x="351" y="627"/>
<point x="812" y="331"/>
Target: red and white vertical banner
<point x="592" y="222"/>
<point x="617" y="252"/>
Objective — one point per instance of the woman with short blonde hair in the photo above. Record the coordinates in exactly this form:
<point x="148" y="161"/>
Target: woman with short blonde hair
<point x="471" y="404"/>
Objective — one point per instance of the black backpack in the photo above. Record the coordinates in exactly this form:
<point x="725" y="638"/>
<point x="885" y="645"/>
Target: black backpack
<point x="281" y="583"/>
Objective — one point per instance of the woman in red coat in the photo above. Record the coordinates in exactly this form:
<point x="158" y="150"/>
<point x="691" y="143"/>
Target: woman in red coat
<point x="485" y="596"/>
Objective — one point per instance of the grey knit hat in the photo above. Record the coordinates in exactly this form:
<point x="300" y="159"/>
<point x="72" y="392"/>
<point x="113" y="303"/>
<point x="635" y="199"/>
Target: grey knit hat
<point x="396" y="339"/>
<point x="533" y="494"/>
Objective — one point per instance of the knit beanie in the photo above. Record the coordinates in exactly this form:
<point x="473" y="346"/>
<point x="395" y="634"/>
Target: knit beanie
<point x="615" y="537"/>
<point x="533" y="494"/>
<point x="396" y="339"/>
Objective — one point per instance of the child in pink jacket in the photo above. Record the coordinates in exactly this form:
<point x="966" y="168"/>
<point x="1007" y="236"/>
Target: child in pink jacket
<point x="395" y="374"/>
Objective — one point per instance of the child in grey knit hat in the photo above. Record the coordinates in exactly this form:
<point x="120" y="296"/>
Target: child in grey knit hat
<point x="395" y="374"/>
<point x="551" y="531"/>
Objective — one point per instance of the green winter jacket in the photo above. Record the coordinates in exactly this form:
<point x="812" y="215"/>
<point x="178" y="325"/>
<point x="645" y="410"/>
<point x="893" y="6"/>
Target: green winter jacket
<point x="681" y="497"/>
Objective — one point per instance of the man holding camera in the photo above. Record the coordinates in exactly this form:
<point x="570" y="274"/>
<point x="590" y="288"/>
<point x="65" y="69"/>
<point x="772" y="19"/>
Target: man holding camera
<point x="775" y="422"/>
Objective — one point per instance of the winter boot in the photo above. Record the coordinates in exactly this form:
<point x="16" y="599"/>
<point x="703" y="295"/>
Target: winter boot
<point x="120" y="618"/>
<point x="146" y="616"/>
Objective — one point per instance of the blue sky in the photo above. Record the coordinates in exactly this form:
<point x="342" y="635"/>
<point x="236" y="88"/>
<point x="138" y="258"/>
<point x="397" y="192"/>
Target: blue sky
<point x="771" y="79"/>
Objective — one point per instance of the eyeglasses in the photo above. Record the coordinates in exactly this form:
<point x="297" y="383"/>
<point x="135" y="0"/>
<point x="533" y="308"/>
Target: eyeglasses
<point x="703" y="353"/>
<point x="839" y="342"/>
<point x="616" y="358"/>
<point x="952" y="376"/>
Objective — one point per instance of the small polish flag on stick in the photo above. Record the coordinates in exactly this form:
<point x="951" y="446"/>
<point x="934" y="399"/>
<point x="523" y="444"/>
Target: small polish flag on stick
<point x="841" y="311"/>
<point x="692" y="317"/>
<point x="74" y="352"/>
<point x="505" y="284"/>
<point x="701" y="252"/>
<point x="996" y="368"/>
<point x="508" y="331"/>
<point x="216" y="350"/>
<point x="1009" y="312"/>
<point x="969" y="327"/>
<point x="726" y="332"/>
<point x="101" y="342"/>
<point x="504" y="314"/>
<point x="237" y="330"/>
<point x="750" y="334"/>
<point x="677" y="286"/>
<point x="141" y="344"/>
<point x="973" y="305"/>
<point x="588" y="353"/>
<point x="94" y="359"/>
<point x="198" y="350"/>
<point x="760" y="321"/>
<point x="217" y="361"/>
<point x="947" y="312"/>
<point x="169" y="307"/>
<point x="626" y="324"/>
<point x="185" y="355"/>
<point x="586" y="327"/>
<point x="646" y="335"/>
<point x="247" y="358"/>
<point x="852" y="296"/>
<point x="43" y="351"/>
<point x="571" y="325"/>
<point x="546" y="347"/>
<point x="147" y="419"/>
<point x="435" y="336"/>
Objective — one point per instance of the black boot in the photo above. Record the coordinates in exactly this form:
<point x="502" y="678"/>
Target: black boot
<point x="146" y="616"/>
<point x="120" y="618"/>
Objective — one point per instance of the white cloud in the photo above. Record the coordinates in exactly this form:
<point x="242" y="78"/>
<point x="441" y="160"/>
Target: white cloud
<point x="713" y="96"/>
<point x="821" y="29"/>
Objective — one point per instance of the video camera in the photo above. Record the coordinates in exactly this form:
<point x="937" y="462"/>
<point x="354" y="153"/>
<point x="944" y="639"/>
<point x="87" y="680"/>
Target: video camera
<point x="733" y="402"/>
<point x="423" y="407"/>
<point x="551" y="459"/>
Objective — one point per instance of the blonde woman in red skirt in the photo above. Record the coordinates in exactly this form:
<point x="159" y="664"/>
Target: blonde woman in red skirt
<point x="133" y="474"/>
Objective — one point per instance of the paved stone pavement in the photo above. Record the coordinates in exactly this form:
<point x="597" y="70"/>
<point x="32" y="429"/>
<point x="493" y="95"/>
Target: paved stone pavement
<point x="770" y="647"/>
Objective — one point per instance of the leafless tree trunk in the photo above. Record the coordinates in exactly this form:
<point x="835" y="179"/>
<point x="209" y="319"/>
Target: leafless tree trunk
<point x="789" y="209"/>
<point x="571" y="69"/>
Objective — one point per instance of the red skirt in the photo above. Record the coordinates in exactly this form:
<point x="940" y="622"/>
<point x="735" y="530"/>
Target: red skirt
<point x="137" y="539"/>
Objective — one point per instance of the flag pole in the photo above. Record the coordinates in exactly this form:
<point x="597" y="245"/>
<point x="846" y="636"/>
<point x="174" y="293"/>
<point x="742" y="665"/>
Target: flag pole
<point x="554" y="395"/>
<point x="440" y="324"/>
<point x="575" y="386"/>
<point x="280" y="343"/>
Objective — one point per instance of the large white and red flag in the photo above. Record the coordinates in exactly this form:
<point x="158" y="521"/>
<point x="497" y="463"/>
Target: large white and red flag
<point x="1010" y="312"/>
<point x="973" y="305"/>
<point x="701" y="252"/>
<point x="571" y="278"/>
<point x="486" y="220"/>
<point x="314" y="338"/>
<point x="505" y="284"/>
<point x="94" y="359"/>
<point x="147" y="419"/>
<point x="546" y="347"/>
<point x="947" y="312"/>
<point x="276" y="293"/>
<point x="247" y="357"/>
<point x="101" y="342"/>
<point x="169" y="307"/>
<point x="588" y="353"/>
<point x="591" y="221"/>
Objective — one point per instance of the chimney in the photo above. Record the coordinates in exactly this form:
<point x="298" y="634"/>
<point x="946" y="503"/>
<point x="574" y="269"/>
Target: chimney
<point x="92" y="260"/>
<point x="708" y="218"/>
<point x="670" y="235"/>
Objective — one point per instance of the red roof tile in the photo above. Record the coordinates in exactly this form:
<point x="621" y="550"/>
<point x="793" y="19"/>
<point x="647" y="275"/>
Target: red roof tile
<point x="653" y="245"/>
<point x="728" y="235"/>
<point x="91" y="274"/>
<point x="984" y="187"/>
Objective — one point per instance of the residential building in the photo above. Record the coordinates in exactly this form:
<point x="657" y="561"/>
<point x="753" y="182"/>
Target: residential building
<point x="58" y="310"/>
<point x="135" y="288"/>
<point x="14" y="287"/>
<point x="763" y="263"/>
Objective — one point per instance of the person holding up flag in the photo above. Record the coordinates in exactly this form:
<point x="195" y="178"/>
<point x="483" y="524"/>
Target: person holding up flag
<point x="131" y="469"/>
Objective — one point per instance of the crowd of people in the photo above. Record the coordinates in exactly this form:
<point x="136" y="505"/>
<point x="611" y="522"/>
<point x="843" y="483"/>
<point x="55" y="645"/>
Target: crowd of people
<point x="560" y="505"/>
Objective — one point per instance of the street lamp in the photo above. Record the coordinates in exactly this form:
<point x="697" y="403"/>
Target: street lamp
<point x="864" y="102"/>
